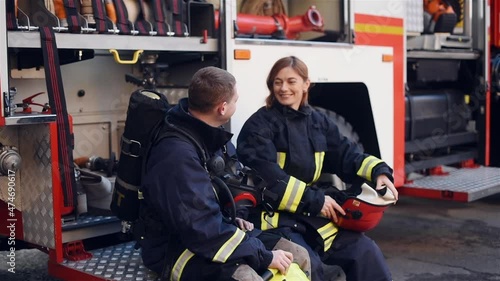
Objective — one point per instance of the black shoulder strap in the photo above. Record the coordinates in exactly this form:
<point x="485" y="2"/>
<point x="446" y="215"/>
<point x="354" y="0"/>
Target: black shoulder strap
<point x="57" y="104"/>
<point x="172" y="130"/>
<point x="167" y="130"/>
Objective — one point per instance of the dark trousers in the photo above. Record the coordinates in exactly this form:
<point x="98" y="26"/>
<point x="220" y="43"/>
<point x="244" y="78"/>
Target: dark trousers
<point x="200" y="269"/>
<point x="358" y="255"/>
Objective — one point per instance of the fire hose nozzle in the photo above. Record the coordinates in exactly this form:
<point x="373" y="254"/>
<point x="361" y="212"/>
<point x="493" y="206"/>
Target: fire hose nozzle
<point x="311" y="20"/>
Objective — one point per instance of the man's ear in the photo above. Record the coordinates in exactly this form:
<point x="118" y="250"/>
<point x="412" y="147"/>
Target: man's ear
<point x="222" y="108"/>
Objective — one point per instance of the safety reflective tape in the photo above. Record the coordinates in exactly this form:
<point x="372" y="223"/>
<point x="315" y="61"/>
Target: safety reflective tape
<point x="180" y="264"/>
<point x="269" y="222"/>
<point x="280" y="159"/>
<point x="365" y="171"/>
<point x="328" y="232"/>
<point x="228" y="248"/>
<point x="293" y="193"/>
<point x="318" y="160"/>
<point x="126" y="185"/>
<point x="379" y="29"/>
<point x="328" y="243"/>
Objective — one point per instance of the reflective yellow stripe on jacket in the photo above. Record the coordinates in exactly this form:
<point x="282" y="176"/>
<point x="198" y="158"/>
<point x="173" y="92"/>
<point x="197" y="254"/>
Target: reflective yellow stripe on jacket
<point x="268" y="222"/>
<point x="180" y="264"/>
<point x="328" y="232"/>
<point x="228" y="248"/>
<point x="318" y="160"/>
<point x="221" y="256"/>
<point x="293" y="193"/>
<point x="366" y="169"/>
<point x="280" y="159"/>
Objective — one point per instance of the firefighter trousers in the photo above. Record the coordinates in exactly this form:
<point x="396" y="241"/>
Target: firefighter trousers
<point x="358" y="256"/>
<point x="200" y="269"/>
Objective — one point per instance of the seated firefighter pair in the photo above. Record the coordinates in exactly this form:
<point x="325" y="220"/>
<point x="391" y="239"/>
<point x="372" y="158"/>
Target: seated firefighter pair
<point x="186" y="233"/>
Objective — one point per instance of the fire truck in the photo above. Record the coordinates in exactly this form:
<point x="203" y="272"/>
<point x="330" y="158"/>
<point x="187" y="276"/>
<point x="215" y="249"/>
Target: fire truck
<point x="413" y="82"/>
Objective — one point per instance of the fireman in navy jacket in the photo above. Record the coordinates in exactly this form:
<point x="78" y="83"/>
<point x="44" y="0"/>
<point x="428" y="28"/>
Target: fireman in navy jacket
<point x="287" y="142"/>
<point x="195" y="243"/>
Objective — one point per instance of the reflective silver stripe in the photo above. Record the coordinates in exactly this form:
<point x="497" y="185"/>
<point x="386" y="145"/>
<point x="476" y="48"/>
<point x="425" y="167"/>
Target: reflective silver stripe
<point x="127" y="185"/>
<point x="180" y="264"/>
<point x="318" y="159"/>
<point x="280" y="159"/>
<point x="268" y="222"/>
<point x="365" y="171"/>
<point x="228" y="248"/>
<point x="293" y="193"/>
<point x="328" y="232"/>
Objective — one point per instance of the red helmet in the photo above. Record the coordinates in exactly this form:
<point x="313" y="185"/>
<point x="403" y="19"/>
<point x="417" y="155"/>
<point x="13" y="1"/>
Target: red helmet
<point x="364" y="210"/>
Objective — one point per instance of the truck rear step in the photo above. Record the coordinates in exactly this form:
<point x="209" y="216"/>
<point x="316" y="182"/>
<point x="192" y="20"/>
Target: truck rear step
<point x="465" y="185"/>
<point x="120" y="262"/>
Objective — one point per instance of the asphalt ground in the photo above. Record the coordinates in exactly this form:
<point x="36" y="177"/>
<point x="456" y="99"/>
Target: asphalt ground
<point x="423" y="240"/>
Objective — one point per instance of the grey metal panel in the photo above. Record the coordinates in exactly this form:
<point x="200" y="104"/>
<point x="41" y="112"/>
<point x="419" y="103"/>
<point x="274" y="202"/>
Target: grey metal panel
<point x="36" y="185"/>
<point x="457" y="55"/>
<point x="121" y="262"/>
<point x="24" y="119"/>
<point x="110" y="41"/>
<point x="476" y="182"/>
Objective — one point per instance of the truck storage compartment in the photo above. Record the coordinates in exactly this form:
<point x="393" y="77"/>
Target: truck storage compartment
<point x="430" y="113"/>
<point x="436" y="129"/>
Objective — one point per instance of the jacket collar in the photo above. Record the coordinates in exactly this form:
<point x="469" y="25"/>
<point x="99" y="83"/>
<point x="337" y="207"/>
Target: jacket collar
<point x="289" y="112"/>
<point x="213" y="138"/>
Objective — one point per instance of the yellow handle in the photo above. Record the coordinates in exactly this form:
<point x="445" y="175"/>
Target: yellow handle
<point x="134" y="60"/>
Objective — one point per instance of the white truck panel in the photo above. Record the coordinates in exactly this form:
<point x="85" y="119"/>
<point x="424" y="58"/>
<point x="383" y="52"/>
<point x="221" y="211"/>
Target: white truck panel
<point x="386" y="8"/>
<point x="328" y="63"/>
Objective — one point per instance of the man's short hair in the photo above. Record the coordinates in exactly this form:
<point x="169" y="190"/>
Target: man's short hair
<point x="209" y="87"/>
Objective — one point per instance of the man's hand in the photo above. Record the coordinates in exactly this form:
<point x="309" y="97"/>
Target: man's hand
<point x="383" y="181"/>
<point x="281" y="261"/>
<point x="329" y="208"/>
<point x="244" y="225"/>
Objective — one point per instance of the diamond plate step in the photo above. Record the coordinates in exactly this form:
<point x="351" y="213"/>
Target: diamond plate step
<point x="465" y="185"/>
<point x="120" y="262"/>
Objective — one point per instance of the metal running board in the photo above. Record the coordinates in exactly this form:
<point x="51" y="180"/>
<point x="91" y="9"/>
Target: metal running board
<point x="120" y="262"/>
<point x="465" y="185"/>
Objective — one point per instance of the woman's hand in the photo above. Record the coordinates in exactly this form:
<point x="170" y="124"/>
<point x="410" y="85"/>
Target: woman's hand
<point x="281" y="261"/>
<point x="244" y="225"/>
<point x="329" y="208"/>
<point x="384" y="181"/>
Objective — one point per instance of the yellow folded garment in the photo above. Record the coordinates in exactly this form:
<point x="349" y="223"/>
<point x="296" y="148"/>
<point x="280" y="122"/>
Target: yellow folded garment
<point x="294" y="274"/>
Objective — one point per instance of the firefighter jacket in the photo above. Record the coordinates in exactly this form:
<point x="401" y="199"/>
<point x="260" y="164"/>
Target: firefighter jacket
<point x="179" y="190"/>
<point x="289" y="149"/>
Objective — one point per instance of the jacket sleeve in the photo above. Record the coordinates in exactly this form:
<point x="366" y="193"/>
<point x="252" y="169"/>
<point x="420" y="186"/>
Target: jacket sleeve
<point x="181" y="190"/>
<point x="284" y="192"/>
<point x="345" y="158"/>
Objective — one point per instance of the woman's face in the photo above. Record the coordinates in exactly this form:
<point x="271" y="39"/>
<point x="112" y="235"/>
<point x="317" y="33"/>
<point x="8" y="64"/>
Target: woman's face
<point x="289" y="87"/>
